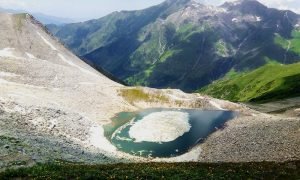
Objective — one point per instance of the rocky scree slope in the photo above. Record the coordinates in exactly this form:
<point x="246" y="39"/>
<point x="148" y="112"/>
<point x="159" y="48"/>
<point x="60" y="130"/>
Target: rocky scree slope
<point x="50" y="101"/>
<point x="183" y="44"/>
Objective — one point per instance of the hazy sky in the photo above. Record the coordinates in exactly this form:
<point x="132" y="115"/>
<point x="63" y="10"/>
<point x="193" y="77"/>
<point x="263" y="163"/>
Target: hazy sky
<point x="88" y="9"/>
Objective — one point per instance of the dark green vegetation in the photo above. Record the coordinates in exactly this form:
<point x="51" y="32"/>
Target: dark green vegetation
<point x="180" y="44"/>
<point x="271" y="82"/>
<point x="59" y="170"/>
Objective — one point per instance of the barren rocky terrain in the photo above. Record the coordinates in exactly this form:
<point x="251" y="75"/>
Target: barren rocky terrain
<point x="53" y="107"/>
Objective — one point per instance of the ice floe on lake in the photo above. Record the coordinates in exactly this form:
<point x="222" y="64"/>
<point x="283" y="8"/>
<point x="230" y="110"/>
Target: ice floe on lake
<point x="160" y="127"/>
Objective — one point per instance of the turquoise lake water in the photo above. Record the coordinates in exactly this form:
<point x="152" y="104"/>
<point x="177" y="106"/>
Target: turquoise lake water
<point x="203" y="123"/>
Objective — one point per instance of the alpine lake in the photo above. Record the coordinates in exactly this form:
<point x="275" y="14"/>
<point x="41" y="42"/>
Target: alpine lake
<point x="163" y="132"/>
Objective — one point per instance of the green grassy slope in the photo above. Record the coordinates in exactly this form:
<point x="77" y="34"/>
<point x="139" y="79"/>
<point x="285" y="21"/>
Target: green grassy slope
<point x="180" y="56"/>
<point x="292" y="44"/>
<point x="262" y="170"/>
<point x="270" y="82"/>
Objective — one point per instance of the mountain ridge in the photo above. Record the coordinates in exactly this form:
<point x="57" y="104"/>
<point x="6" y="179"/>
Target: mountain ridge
<point x="139" y="46"/>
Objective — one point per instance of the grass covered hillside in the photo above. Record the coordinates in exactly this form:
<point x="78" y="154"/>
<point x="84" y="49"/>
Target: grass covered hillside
<point x="263" y="170"/>
<point x="270" y="82"/>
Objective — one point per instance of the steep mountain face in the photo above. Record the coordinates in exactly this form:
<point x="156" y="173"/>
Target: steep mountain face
<point x="125" y="24"/>
<point x="183" y="44"/>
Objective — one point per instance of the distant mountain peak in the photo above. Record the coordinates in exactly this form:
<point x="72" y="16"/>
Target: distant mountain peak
<point x="242" y="3"/>
<point x="245" y="6"/>
<point x="178" y="1"/>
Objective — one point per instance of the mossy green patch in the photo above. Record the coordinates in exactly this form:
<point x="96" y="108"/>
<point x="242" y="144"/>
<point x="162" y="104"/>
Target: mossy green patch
<point x="232" y="73"/>
<point x="281" y="41"/>
<point x="271" y="61"/>
<point x="138" y="94"/>
<point x="166" y="55"/>
<point x="187" y="30"/>
<point x="141" y="79"/>
<point x="292" y="44"/>
<point x="222" y="48"/>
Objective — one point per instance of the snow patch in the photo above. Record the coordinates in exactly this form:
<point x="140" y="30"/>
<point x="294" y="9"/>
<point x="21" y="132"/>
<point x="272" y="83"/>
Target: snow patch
<point x="87" y="83"/>
<point x="30" y="55"/>
<point x="74" y="65"/>
<point x="196" y="5"/>
<point x="258" y="18"/>
<point x="235" y="3"/>
<point x="8" y="74"/>
<point x="20" y="94"/>
<point x="234" y="20"/>
<point x="7" y="52"/>
<point x="2" y="81"/>
<point x="160" y="127"/>
<point x="191" y="156"/>
<point x="47" y="42"/>
<point x="98" y="140"/>
<point x="216" y="105"/>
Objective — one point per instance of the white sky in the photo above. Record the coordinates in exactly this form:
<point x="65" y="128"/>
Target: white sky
<point x="90" y="9"/>
<point x="293" y="5"/>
